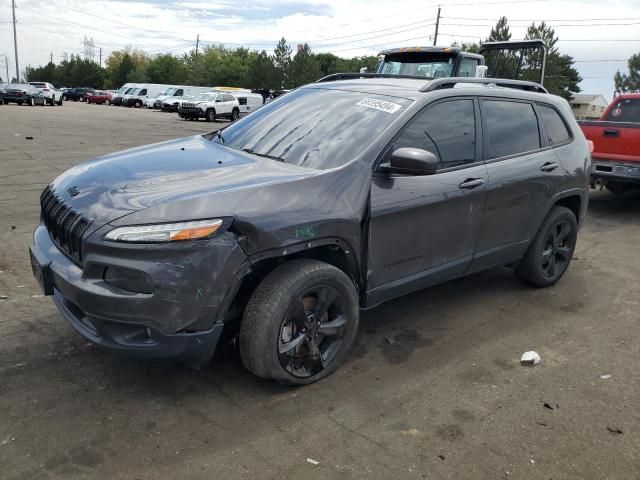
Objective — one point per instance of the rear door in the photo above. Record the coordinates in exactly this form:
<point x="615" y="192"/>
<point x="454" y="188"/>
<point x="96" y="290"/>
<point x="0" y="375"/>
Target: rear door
<point x="423" y="229"/>
<point x="524" y="174"/>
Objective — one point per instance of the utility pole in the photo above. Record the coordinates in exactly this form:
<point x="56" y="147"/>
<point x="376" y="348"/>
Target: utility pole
<point x="15" y="39"/>
<point x="435" y="37"/>
<point x="6" y="65"/>
<point x="51" y="57"/>
<point x="197" y="45"/>
<point x="100" y="57"/>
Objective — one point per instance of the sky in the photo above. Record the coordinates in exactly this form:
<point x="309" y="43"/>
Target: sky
<point x="600" y="35"/>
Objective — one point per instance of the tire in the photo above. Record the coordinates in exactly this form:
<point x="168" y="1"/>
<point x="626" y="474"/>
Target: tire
<point x="210" y="115"/>
<point x="107" y="102"/>
<point x="138" y="104"/>
<point x="60" y="101"/>
<point x="235" y="113"/>
<point x="551" y="250"/>
<point x="65" y="98"/>
<point x="32" y="102"/>
<point x="275" y="346"/>
<point x="20" y="102"/>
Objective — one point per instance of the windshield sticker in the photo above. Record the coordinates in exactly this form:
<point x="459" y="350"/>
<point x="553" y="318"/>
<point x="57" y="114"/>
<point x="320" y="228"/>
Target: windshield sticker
<point x="617" y="112"/>
<point x="381" y="105"/>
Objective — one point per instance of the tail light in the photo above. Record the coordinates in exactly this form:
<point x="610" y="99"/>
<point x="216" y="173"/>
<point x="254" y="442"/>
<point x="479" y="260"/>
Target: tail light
<point x="590" y="143"/>
<point x="45" y="89"/>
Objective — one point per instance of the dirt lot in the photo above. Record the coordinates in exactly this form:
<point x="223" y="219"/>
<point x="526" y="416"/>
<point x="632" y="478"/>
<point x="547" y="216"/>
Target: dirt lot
<point x="446" y="399"/>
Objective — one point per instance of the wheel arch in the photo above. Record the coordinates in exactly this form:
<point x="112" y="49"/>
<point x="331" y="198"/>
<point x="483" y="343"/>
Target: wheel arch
<point x="333" y="251"/>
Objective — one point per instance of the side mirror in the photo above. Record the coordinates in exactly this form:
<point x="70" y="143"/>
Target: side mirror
<point x="411" y="161"/>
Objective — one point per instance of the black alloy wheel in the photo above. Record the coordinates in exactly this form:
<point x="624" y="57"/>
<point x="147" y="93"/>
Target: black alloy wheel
<point x="557" y="250"/>
<point x="551" y="250"/>
<point x="299" y="323"/>
<point x="312" y="331"/>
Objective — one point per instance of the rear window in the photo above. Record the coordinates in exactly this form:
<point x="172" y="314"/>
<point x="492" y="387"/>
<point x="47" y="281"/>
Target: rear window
<point x="512" y="127"/>
<point x="315" y="127"/>
<point x="626" y="110"/>
<point x="555" y="127"/>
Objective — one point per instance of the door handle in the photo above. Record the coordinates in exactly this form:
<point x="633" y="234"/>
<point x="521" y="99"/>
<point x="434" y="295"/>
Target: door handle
<point x="470" y="183"/>
<point x="611" y="132"/>
<point x="549" y="166"/>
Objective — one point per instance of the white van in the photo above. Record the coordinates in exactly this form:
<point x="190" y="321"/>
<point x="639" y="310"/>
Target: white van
<point x="144" y="92"/>
<point x="248" y="101"/>
<point x="122" y="91"/>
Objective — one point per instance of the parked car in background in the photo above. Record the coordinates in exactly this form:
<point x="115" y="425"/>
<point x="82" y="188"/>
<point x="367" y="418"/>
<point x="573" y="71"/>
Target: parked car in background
<point x="77" y="94"/>
<point x="2" y="87"/>
<point x="144" y="93"/>
<point x="172" y="104"/>
<point x="211" y="106"/>
<point x="279" y="228"/>
<point x="616" y="145"/>
<point x="52" y="95"/>
<point x="23" y="93"/>
<point x="99" y="96"/>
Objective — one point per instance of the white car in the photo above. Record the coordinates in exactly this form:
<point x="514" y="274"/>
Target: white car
<point x="51" y="94"/>
<point x="211" y="105"/>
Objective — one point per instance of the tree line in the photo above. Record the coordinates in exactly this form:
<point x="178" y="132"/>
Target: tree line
<point x="211" y="65"/>
<point x="284" y="68"/>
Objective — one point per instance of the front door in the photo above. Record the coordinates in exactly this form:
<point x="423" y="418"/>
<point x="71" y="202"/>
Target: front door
<point x="423" y="228"/>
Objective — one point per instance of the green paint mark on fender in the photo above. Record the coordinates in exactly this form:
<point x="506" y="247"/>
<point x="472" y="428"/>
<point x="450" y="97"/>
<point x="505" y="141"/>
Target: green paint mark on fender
<point x="305" y="232"/>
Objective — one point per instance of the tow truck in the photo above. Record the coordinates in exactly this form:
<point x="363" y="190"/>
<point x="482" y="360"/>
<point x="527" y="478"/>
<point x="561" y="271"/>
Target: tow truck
<point x="523" y="60"/>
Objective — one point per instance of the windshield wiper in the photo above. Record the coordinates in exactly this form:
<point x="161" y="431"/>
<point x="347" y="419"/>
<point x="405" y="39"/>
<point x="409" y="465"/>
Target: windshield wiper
<point x="218" y="134"/>
<point x="265" y="155"/>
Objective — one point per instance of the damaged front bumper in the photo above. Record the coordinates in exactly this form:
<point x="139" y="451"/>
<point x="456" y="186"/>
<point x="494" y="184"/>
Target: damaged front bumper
<point x="145" y="300"/>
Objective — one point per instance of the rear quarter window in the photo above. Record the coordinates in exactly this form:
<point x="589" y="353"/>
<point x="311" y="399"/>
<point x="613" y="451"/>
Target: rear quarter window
<point x="512" y="128"/>
<point x="556" y="129"/>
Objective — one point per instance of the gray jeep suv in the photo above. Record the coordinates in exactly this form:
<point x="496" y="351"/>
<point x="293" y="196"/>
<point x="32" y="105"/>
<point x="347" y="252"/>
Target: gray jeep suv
<point x="279" y="228"/>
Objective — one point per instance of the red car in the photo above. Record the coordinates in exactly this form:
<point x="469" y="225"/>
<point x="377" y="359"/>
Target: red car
<point x="616" y="140"/>
<point x="99" y="96"/>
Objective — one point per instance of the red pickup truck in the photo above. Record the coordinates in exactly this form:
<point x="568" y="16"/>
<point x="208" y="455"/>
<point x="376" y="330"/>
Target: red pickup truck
<point x="616" y="145"/>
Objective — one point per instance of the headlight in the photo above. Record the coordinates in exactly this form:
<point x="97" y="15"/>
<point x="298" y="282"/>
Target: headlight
<point x="168" y="232"/>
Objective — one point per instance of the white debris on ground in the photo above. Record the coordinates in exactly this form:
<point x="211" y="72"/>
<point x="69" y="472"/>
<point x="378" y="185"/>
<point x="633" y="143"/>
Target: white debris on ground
<point x="312" y="461"/>
<point x="530" y="358"/>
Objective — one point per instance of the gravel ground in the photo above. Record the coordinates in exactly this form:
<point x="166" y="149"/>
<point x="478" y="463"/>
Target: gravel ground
<point x="433" y="388"/>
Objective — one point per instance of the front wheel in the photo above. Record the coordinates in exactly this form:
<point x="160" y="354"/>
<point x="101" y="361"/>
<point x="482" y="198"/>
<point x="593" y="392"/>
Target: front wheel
<point x="550" y="253"/>
<point x="65" y="98"/>
<point x="211" y="115"/>
<point x="32" y="102"/>
<point x="107" y="102"/>
<point x="300" y="323"/>
<point x="60" y="101"/>
<point x="235" y="114"/>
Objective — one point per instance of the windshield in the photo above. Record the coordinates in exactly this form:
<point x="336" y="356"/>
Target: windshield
<point x="431" y="65"/>
<point x="122" y="89"/>
<point x="206" y="97"/>
<point x="169" y="91"/>
<point x="626" y="110"/>
<point x="16" y="86"/>
<point x="315" y="127"/>
<point x="133" y="91"/>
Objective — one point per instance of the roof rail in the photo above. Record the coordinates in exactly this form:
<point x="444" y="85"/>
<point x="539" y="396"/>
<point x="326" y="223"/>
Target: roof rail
<point x="353" y="75"/>
<point x="440" y="83"/>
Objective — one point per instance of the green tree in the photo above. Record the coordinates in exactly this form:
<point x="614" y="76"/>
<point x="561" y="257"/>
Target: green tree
<point x="262" y="72"/>
<point x="304" y="68"/>
<point x="282" y="60"/>
<point x="629" y="82"/>
<point x="500" y="33"/>
<point x="166" y="69"/>
<point x="561" y="78"/>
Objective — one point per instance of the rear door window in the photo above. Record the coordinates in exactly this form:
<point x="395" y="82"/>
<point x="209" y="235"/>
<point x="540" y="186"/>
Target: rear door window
<point x="626" y="110"/>
<point x="468" y="67"/>
<point x="512" y="128"/>
<point x="556" y="129"/>
<point x="446" y="129"/>
<point x="228" y="98"/>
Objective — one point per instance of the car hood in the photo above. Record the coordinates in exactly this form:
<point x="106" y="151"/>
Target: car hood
<point x="115" y="185"/>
